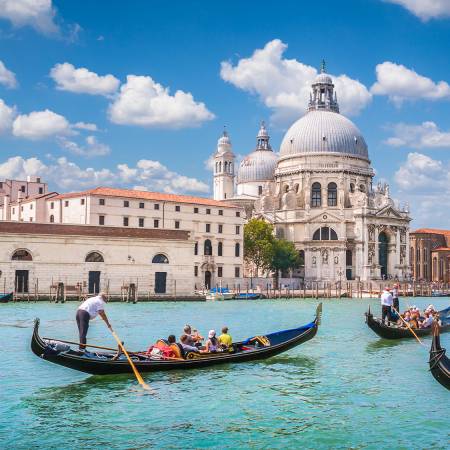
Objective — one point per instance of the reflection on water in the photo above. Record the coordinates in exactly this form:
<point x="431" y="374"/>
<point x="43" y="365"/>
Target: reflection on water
<point x="326" y="393"/>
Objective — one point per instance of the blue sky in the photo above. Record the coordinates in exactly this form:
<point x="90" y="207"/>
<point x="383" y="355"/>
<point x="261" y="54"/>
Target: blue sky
<point x="69" y="112"/>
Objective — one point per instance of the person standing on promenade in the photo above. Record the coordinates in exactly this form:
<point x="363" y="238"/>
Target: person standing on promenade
<point x="88" y="310"/>
<point x="386" y="305"/>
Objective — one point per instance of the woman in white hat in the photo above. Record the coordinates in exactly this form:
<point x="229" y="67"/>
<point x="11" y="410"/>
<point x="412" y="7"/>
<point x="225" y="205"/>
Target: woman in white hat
<point x="212" y="344"/>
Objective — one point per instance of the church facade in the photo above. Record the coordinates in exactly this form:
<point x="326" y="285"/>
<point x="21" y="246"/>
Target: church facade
<point x="318" y="192"/>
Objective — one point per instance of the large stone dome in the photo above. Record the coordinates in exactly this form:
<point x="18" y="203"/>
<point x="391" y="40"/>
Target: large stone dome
<point x="257" y="166"/>
<point x="323" y="131"/>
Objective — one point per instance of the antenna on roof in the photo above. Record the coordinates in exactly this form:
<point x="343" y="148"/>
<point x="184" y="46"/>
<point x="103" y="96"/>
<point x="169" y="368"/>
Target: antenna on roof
<point x="323" y="68"/>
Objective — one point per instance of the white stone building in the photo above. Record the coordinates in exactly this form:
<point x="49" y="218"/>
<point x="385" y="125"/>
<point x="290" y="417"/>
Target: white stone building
<point x="213" y="232"/>
<point x="318" y="193"/>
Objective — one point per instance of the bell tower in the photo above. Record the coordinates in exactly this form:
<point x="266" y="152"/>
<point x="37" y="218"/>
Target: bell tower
<point x="223" y="169"/>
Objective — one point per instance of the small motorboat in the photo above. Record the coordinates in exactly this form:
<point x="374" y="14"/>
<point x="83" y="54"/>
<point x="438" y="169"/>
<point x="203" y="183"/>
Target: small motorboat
<point x="5" y="298"/>
<point x="392" y="331"/>
<point x="248" y="296"/>
<point x="439" y="362"/>
<point x="219" y="294"/>
<point x="439" y="294"/>
<point x="106" y="363"/>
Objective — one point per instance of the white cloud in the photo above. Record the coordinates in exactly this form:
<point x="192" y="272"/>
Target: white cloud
<point x="38" y="14"/>
<point x="7" y="114"/>
<point x="85" y="126"/>
<point x="40" y="125"/>
<point x="144" y="102"/>
<point x="66" y="175"/>
<point x="83" y="81"/>
<point x="425" y="135"/>
<point x="425" y="9"/>
<point x="7" y="78"/>
<point x="400" y="83"/>
<point x="91" y="149"/>
<point x="283" y="85"/>
<point x="425" y="183"/>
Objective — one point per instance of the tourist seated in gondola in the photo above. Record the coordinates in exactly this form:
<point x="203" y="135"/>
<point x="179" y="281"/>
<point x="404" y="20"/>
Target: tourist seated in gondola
<point x="225" y="340"/>
<point x="414" y="322"/>
<point x="212" y="344"/>
<point x="193" y="337"/>
<point x="428" y="321"/>
<point x="185" y="340"/>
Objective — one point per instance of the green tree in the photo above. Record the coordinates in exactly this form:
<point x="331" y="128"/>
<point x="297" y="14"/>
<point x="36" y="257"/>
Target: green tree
<point x="258" y="244"/>
<point x="284" y="256"/>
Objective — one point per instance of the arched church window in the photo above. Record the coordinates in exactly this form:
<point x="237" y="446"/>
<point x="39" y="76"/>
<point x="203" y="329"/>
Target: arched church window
<point x="296" y="188"/>
<point x="220" y="166"/>
<point x="225" y="166"/>
<point x="325" y="234"/>
<point x="332" y="194"/>
<point x="316" y="195"/>
<point x="352" y="188"/>
<point x="94" y="257"/>
<point x="22" y="255"/>
<point x="219" y="249"/>
<point x="362" y="188"/>
<point x="52" y="218"/>
<point x="207" y="248"/>
<point x="160" y="259"/>
<point x="260" y="190"/>
<point x="217" y="166"/>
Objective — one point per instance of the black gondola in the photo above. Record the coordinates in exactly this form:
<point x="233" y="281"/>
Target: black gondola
<point x="394" y="332"/>
<point x="5" y="298"/>
<point x="439" y="363"/>
<point x="102" y="363"/>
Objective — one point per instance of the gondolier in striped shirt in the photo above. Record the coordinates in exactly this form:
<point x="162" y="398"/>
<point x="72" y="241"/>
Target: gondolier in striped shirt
<point x="386" y="304"/>
<point x="88" y="310"/>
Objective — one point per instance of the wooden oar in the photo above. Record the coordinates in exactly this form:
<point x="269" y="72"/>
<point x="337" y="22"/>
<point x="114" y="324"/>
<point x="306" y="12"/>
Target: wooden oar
<point x="410" y="329"/>
<point x="136" y="373"/>
<point x="86" y="345"/>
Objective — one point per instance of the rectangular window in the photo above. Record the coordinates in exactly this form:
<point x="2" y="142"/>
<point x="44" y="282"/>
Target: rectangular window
<point x="196" y="248"/>
<point x="22" y="188"/>
<point x="177" y="208"/>
<point x="141" y="205"/>
<point x="41" y="190"/>
<point x="21" y="208"/>
<point x="31" y="219"/>
<point x="141" y="222"/>
<point x="52" y="205"/>
<point x="238" y="214"/>
<point x="237" y="272"/>
<point x="219" y="272"/>
<point x="220" y="228"/>
<point x="126" y="204"/>
<point x="177" y="224"/>
<point x="126" y="221"/>
<point x="31" y="207"/>
<point x="66" y="203"/>
<point x="101" y="201"/>
<point x="195" y="210"/>
<point x="208" y="227"/>
<point x="208" y="211"/>
<point x="1" y="185"/>
<point x="195" y="271"/>
<point x="156" y="223"/>
<point x="101" y="220"/>
<point x="156" y="205"/>
<point x="238" y="229"/>
<point x="220" y="212"/>
<point x="82" y="201"/>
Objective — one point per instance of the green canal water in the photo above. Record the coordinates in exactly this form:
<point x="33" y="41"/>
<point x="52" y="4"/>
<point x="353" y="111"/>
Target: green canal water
<point x="346" y="388"/>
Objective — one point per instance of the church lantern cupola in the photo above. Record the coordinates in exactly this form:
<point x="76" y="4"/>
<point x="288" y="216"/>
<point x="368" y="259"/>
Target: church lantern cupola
<point x="323" y="96"/>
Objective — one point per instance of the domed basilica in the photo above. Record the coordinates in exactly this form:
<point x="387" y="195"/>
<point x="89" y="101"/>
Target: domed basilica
<point x="318" y="193"/>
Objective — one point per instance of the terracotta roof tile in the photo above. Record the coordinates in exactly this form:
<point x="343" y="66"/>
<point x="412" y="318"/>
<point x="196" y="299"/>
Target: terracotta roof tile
<point x="147" y="195"/>
<point x="440" y="249"/>
<point x="431" y="231"/>
<point x="35" y="197"/>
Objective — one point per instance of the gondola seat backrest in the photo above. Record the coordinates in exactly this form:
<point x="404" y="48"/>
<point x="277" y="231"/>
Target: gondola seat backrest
<point x="178" y="350"/>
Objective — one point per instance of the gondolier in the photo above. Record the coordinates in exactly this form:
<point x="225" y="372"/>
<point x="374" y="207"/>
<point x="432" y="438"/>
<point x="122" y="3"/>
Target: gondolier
<point x="386" y="305"/>
<point x="88" y="310"/>
<point x="395" y="300"/>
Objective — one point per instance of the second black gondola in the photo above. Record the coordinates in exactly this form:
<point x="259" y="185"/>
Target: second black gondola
<point x="439" y="362"/>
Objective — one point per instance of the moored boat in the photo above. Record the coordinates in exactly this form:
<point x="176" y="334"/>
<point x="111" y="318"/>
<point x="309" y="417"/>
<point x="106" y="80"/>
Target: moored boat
<point x="248" y="296"/>
<point x="219" y="294"/>
<point x="5" y="298"/>
<point x="392" y="331"/>
<point x="439" y="362"/>
<point x="103" y="363"/>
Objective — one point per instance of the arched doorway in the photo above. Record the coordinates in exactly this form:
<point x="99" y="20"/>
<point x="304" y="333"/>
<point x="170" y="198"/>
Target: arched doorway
<point x="383" y="242"/>
<point x="208" y="279"/>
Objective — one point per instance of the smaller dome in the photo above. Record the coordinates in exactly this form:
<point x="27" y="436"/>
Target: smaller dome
<point x="262" y="133"/>
<point x="224" y="139"/>
<point x="257" y="166"/>
<point x="323" y="78"/>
